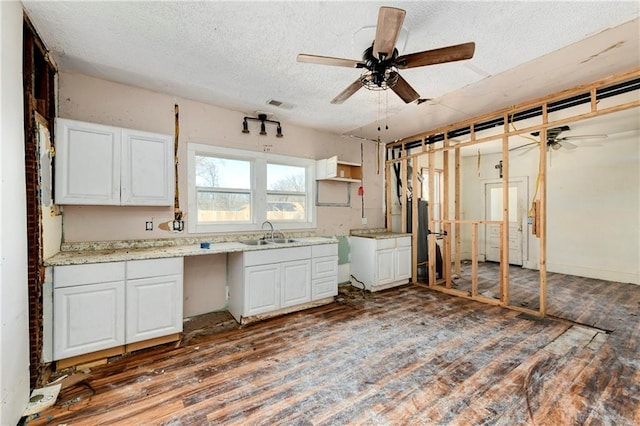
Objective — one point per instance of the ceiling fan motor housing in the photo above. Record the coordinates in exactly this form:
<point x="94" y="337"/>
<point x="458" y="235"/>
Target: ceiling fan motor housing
<point x="382" y="71"/>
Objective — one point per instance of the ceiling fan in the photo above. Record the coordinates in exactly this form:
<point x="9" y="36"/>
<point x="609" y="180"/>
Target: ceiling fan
<point x="555" y="142"/>
<point x="381" y="61"/>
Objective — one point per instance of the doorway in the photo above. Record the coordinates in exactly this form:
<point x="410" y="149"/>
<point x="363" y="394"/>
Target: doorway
<point x="517" y="215"/>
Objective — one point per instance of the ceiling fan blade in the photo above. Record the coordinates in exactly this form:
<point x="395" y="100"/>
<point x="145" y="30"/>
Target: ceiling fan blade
<point x="583" y="137"/>
<point x="346" y="93"/>
<point x="523" y="146"/>
<point x="404" y="90"/>
<point x="567" y="145"/>
<point x="390" y="21"/>
<point x="458" y="52"/>
<point x="328" y="60"/>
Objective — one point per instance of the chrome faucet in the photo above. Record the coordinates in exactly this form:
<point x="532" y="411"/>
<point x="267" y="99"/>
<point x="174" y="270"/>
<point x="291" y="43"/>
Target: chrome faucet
<point x="270" y="225"/>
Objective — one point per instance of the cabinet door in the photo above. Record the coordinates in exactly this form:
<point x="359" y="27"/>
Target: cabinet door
<point x="87" y="163"/>
<point x="87" y="318"/>
<point x="147" y="169"/>
<point x="262" y="289"/>
<point x="154" y="307"/>
<point x="403" y="263"/>
<point x="385" y="266"/>
<point x="296" y="283"/>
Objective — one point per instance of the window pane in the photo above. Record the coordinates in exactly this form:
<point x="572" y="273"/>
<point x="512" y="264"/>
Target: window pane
<point x="215" y="172"/>
<point x="223" y="207"/>
<point x="286" y="207"/>
<point x="285" y="178"/>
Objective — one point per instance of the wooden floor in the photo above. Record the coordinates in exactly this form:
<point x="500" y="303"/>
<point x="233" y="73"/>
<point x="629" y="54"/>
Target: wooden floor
<point x="408" y="355"/>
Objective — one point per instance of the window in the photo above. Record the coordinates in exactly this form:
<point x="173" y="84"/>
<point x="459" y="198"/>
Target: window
<point x="286" y="192"/>
<point x="223" y="188"/>
<point x="233" y="190"/>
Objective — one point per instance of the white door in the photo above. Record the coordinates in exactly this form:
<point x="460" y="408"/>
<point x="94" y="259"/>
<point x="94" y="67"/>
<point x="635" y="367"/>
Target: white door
<point x="87" y="163"/>
<point x="385" y="261"/>
<point x="262" y="288"/>
<point x="517" y="214"/>
<point x="87" y="318"/>
<point x="296" y="283"/>
<point x="147" y="169"/>
<point x="403" y="263"/>
<point x="154" y="307"/>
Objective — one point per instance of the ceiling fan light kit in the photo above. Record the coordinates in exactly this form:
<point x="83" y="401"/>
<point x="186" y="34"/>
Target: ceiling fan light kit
<point x="263" y="129"/>
<point x="381" y="61"/>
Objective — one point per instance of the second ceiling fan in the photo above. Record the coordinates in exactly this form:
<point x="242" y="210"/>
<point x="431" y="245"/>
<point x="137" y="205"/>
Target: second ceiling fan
<point x="381" y="61"/>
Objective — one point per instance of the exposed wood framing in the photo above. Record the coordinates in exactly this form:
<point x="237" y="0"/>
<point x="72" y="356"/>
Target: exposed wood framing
<point x="446" y="229"/>
<point x="504" y="230"/>
<point x="458" y="209"/>
<point x="542" y="212"/>
<point x="539" y="206"/>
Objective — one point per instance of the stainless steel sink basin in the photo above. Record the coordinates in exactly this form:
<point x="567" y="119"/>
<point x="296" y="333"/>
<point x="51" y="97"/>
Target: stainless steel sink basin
<point x="283" y="240"/>
<point x="255" y="242"/>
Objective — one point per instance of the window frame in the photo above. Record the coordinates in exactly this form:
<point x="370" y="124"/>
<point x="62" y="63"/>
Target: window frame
<point x="258" y="192"/>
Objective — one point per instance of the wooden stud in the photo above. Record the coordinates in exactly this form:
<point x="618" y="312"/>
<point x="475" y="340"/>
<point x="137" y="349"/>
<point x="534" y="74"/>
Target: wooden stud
<point x="457" y="213"/>
<point x="414" y="220"/>
<point x="474" y="259"/>
<point x="431" y="238"/>
<point x="504" y="234"/>
<point x="446" y="239"/>
<point x="542" y="225"/>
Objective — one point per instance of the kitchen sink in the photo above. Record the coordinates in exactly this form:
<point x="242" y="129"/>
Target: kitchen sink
<point x="283" y="240"/>
<point x="255" y="242"/>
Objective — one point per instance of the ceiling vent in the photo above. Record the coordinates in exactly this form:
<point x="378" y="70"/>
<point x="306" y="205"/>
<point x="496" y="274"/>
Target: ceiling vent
<point x="279" y="104"/>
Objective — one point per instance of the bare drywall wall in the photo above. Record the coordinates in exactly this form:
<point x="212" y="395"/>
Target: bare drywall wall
<point x="90" y="99"/>
<point x="14" y="331"/>
<point x="95" y="100"/>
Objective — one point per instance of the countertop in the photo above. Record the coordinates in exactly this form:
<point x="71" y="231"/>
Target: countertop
<point x="377" y="233"/>
<point x="122" y="252"/>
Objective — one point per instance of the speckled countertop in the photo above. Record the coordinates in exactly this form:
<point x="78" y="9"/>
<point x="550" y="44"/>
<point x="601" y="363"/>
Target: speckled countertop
<point x="114" y="251"/>
<point x="377" y="233"/>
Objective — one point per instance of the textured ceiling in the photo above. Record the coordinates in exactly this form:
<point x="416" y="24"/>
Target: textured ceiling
<point x="239" y="55"/>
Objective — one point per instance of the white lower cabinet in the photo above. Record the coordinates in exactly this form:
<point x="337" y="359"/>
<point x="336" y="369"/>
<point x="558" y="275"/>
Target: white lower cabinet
<point x="264" y="281"/>
<point x="262" y="288"/>
<point x="103" y="305"/>
<point x="153" y="298"/>
<point x="292" y="291"/>
<point x="381" y="263"/>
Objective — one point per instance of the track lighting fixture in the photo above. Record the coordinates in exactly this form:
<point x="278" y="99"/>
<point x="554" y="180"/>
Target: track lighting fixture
<point x="263" y="129"/>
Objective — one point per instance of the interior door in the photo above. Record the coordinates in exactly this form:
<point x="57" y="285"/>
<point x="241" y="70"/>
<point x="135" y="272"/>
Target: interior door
<point x="493" y="211"/>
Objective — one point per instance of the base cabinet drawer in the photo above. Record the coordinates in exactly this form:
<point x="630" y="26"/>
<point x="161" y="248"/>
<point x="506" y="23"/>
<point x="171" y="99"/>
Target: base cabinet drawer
<point x="324" y="287"/>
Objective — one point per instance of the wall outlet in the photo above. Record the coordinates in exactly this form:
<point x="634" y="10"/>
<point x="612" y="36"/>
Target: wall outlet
<point x="364" y="220"/>
<point x="148" y="225"/>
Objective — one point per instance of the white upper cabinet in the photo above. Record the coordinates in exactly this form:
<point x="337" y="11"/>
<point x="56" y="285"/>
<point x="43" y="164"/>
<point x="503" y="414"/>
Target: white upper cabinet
<point x="147" y="169"/>
<point x="87" y="163"/>
<point x="107" y="165"/>
<point x="332" y="169"/>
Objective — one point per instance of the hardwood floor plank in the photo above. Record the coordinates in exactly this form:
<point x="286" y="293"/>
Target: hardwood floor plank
<point x="407" y="355"/>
